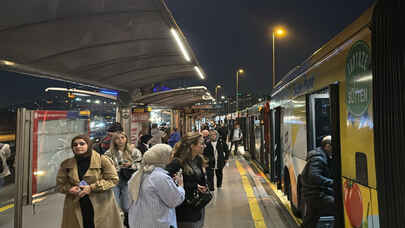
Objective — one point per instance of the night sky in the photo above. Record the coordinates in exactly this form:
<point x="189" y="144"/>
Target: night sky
<point x="228" y="34"/>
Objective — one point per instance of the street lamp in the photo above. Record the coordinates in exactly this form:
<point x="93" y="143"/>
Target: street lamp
<point x="240" y="71"/>
<point x="279" y="32"/>
<point x="216" y="92"/>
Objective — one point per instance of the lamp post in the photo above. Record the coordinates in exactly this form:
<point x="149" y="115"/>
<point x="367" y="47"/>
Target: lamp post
<point x="216" y="92"/>
<point x="279" y="32"/>
<point x="240" y="71"/>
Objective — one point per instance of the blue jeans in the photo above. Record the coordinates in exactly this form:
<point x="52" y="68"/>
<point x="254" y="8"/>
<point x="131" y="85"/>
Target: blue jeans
<point x="121" y="195"/>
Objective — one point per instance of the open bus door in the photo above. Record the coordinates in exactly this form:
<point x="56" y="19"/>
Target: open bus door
<point x="252" y="145"/>
<point x="276" y="149"/>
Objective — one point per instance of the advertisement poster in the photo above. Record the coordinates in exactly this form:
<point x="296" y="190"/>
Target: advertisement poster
<point x="52" y="134"/>
<point x="139" y="121"/>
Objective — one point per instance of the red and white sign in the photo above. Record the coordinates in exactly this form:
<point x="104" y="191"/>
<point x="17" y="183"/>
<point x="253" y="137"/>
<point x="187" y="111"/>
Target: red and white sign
<point x="138" y="119"/>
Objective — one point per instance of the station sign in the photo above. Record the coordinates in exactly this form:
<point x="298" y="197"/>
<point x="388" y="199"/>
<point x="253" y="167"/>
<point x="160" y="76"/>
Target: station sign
<point x="208" y="106"/>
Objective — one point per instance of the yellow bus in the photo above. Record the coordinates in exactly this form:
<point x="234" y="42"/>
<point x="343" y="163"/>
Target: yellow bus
<point x="329" y="94"/>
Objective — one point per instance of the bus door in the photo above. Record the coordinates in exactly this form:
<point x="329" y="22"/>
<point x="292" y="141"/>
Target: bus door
<point x="335" y="132"/>
<point x="276" y="142"/>
<point x="323" y="120"/>
<point x="266" y="137"/>
<point x="252" y="144"/>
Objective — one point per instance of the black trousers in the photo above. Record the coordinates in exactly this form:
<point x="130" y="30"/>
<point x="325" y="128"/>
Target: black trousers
<point x="210" y="178"/>
<point x="87" y="212"/>
<point x="316" y="209"/>
<point x="236" y="143"/>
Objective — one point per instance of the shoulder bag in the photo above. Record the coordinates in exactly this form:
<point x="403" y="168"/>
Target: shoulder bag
<point x="200" y="199"/>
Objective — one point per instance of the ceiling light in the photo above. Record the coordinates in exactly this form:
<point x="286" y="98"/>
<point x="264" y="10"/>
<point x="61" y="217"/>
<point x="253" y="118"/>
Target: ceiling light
<point x="196" y="68"/>
<point x="180" y="44"/>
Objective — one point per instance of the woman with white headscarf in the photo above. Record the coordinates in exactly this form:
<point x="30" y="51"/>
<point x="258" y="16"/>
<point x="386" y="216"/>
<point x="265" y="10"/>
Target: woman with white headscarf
<point x="153" y="193"/>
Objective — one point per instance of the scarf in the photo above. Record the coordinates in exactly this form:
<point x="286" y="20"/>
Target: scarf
<point x="156" y="156"/>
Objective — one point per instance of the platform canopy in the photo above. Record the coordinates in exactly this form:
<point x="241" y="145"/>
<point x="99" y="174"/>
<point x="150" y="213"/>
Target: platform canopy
<point x="115" y="44"/>
<point x="176" y="98"/>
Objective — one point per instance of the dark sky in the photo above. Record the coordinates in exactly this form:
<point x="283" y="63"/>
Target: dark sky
<point x="226" y="34"/>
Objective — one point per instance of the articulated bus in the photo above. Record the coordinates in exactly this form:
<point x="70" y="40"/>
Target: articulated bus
<point x="330" y="94"/>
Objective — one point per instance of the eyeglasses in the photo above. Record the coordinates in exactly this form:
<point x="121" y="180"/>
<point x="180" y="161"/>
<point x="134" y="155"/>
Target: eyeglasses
<point x="77" y="144"/>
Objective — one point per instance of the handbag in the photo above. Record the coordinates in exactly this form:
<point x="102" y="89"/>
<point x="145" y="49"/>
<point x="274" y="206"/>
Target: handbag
<point x="199" y="199"/>
<point x="126" y="173"/>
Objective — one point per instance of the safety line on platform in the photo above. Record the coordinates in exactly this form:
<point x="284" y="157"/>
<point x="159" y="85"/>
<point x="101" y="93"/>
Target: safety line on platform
<point x="279" y="194"/>
<point x="5" y="208"/>
<point x="255" y="210"/>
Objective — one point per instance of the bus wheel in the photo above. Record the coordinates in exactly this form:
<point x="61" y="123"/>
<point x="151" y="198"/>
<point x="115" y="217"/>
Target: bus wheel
<point x="297" y="210"/>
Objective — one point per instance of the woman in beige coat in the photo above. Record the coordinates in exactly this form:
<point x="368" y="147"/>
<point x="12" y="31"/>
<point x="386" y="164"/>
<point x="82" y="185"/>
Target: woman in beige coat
<point x="87" y="180"/>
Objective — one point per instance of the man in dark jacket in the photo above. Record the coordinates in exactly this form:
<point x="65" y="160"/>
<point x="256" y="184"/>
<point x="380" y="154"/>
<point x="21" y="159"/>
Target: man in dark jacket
<point x="317" y="189"/>
<point x="236" y="137"/>
<point x="222" y="131"/>
<point x="102" y="146"/>
<point x="217" y="153"/>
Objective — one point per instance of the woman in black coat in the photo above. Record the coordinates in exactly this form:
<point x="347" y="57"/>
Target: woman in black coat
<point x="217" y="153"/>
<point x="188" y="158"/>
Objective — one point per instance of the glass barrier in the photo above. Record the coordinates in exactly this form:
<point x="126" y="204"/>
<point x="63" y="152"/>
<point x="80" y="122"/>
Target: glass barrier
<point x="59" y="111"/>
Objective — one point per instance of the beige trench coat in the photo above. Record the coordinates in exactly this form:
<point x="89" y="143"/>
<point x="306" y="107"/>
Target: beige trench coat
<point x="102" y="177"/>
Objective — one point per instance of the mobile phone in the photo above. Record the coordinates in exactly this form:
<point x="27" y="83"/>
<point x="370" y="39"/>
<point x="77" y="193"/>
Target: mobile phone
<point x="83" y="183"/>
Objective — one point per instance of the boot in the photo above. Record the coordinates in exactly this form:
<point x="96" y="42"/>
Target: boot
<point x="126" y="223"/>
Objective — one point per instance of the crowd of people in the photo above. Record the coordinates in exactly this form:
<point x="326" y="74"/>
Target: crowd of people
<point x="164" y="181"/>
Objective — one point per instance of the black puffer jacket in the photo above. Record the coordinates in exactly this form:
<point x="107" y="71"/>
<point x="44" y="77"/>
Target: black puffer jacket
<point x="185" y="212"/>
<point x="317" y="177"/>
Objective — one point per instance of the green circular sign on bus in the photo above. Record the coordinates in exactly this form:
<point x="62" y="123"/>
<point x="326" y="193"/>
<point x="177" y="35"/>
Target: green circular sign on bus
<point x="358" y="78"/>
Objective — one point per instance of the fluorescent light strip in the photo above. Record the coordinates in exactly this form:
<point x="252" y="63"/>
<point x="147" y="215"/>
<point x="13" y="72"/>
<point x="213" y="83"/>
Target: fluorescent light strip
<point x="180" y="44"/>
<point x="199" y="72"/>
<point x="81" y="91"/>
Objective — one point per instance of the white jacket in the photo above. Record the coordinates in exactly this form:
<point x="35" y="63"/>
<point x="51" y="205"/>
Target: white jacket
<point x="5" y="152"/>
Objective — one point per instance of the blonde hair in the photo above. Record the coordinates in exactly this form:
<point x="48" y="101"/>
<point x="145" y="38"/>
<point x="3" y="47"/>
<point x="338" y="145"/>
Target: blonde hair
<point x="114" y="147"/>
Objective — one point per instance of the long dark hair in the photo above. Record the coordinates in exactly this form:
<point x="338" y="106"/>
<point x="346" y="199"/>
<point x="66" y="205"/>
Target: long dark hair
<point x="184" y="154"/>
<point x="86" y="139"/>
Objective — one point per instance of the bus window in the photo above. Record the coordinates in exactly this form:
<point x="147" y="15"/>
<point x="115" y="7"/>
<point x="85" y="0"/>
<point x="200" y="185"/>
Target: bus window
<point x="319" y="118"/>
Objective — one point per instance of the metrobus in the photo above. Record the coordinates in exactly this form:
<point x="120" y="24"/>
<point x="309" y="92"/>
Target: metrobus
<point x="329" y="94"/>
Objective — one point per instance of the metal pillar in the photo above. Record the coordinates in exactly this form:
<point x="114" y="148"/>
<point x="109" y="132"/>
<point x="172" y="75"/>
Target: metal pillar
<point x="389" y="109"/>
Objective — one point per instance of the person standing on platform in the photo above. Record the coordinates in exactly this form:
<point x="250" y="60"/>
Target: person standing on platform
<point x="102" y="146"/>
<point x="143" y="143"/>
<point x="223" y="134"/>
<point x="188" y="158"/>
<point x="157" y="135"/>
<point x="317" y="188"/>
<point x="87" y="180"/>
<point x="5" y="153"/>
<point x="217" y="153"/>
<point x="127" y="159"/>
<point x="153" y="193"/>
<point x="236" y="137"/>
<point x="174" y="137"/>
<point x="206" y="136"/>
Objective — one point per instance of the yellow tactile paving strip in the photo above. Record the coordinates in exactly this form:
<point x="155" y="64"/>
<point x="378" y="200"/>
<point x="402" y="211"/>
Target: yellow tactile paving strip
<point x="279" y="194"/>
<point x="255" y="210"/>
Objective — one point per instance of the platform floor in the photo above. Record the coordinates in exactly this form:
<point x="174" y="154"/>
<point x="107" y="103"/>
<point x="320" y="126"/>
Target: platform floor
<point x="245" y="200"/>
